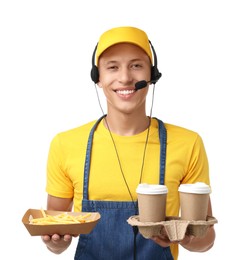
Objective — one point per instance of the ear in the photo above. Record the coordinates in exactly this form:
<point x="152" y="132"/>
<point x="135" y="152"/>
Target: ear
<point x="99" y="84"/>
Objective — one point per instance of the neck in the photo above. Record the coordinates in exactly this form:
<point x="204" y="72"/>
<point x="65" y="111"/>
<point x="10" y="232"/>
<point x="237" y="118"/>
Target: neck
<point x="127" y="125"/>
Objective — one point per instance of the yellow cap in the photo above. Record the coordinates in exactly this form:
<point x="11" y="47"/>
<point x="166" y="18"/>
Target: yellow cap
<point x="123" y="35"/>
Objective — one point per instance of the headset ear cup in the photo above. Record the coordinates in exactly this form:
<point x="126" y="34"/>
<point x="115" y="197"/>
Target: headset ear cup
<point x="94" y="74"/>
<point x="155" y="74"/>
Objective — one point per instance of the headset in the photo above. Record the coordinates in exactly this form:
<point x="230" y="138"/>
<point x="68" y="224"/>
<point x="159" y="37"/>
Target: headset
<point x="155" y="74"/>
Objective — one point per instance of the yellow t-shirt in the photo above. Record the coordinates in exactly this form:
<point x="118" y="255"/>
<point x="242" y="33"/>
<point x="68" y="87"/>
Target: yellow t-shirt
<point x="186" y="162"/>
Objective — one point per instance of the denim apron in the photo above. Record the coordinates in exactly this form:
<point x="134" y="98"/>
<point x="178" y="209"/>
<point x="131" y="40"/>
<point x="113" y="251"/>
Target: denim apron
<point x="113" y="238"/>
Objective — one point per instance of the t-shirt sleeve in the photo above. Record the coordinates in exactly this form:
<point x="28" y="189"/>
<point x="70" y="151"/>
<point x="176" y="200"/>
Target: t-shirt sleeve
<point x="198" y="167"/>
<point x="58" y="183"/>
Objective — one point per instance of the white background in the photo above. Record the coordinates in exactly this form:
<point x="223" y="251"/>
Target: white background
<point x="45" y="88"/>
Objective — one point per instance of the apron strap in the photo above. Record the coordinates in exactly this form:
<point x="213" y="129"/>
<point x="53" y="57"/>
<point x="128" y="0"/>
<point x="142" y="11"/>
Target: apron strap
<point x="88" y="158"/>
<point x="163" y="141"/>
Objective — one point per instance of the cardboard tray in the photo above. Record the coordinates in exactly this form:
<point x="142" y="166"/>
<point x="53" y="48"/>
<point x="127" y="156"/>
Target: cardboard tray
<point x="173" y="227"/>
<point x="61" y="229"/>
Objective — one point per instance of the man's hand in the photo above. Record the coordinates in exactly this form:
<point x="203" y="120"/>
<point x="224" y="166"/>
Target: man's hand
<point x="56" y="243"/>
<point x="164" y="241"/>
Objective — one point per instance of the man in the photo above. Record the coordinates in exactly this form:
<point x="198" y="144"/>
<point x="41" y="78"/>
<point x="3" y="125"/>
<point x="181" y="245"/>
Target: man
<point x="97" y="166"/>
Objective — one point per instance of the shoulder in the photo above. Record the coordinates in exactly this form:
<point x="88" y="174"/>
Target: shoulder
<point x="187" y="143"/>
<point x="79" y="129"/>
<point x="179" y="130"/>
<point x="182" y="135"/>
<point x="74" y="134"/>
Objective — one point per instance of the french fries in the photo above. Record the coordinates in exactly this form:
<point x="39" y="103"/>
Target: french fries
<point x="63" y="218"/>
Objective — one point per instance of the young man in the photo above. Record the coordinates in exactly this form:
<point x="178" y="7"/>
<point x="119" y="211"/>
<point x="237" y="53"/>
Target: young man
<point x="97" y="167"/>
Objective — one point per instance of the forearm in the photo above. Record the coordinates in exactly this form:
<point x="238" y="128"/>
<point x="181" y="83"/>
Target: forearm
<point x="197" y="244"/>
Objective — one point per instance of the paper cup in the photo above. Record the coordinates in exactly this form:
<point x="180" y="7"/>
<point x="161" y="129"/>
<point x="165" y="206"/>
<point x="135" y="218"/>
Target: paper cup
<point x="194" y="201"/>
<point x="151" y="202"/>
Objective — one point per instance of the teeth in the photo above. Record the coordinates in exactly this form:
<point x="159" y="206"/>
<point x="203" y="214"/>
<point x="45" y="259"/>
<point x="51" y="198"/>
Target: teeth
<point x="125" y="92"/>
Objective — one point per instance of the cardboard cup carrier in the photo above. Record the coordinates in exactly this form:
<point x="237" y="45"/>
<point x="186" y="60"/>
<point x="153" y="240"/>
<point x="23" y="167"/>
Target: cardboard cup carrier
<point x="151" y="202"/>
<point x="152" y="221"/>
<point x="194" y="201"/>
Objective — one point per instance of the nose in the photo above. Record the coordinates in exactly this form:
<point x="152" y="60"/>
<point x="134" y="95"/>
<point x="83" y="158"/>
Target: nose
<point x="125" y="76"/>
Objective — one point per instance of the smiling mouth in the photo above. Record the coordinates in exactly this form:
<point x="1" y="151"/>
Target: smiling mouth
<point x="125" y="91"/>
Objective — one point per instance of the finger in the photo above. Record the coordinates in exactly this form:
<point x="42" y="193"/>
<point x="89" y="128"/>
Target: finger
<point x="56" y="237"/>
<point x="162" y="241"/>
<point x="45" y="238"/>
<point x="186" y="240"/>
<point x="67" y="238"/>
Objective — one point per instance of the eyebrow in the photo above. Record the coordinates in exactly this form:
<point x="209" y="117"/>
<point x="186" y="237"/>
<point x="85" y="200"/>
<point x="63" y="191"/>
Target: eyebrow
<point x="133" y="60"/>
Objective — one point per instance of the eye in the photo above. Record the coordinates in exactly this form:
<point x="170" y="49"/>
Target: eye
<point x="113" y="67"/>
<point x="137" y="66"/>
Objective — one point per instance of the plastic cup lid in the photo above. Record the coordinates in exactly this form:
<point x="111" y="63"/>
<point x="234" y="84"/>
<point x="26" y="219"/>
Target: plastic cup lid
<point x="198" y="188"/>
<point x="145" y="188"/>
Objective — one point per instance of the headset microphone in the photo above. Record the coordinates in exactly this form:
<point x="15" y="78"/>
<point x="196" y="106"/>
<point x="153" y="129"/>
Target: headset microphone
<point x="141" y="84"/>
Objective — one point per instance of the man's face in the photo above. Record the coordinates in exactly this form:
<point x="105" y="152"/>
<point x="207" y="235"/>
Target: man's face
<point x="120" y="67"/>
